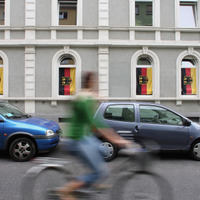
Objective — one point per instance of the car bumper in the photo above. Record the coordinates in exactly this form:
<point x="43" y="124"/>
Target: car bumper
<point x="45" y="145"/>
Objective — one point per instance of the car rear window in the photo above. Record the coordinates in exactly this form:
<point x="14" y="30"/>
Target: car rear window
<point x="124" y="113"/>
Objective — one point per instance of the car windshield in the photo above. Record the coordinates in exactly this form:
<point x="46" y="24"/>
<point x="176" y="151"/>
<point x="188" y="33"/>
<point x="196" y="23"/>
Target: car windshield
<point x="10" y="111"/>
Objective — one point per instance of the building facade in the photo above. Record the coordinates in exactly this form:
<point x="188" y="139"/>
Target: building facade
<point x="143" y="50"/>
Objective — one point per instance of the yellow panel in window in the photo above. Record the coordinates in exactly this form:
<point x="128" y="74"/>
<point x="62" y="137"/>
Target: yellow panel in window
<point x="1" y="80"/>
<point x="73" y="82"/>
<point x="194" y="82"/>
<point x="149" y="83"/>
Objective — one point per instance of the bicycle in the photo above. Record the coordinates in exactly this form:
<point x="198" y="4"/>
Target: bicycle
<point x="152" y="187"/>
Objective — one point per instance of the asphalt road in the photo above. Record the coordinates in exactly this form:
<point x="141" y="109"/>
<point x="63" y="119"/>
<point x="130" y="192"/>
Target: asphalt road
<point x="182" y="172"/>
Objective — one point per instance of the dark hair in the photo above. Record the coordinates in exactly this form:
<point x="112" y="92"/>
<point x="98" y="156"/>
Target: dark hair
<point x="86" y="77"/>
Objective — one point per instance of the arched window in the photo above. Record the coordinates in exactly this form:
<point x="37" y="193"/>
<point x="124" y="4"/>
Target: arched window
<point x="67" y="75"/>
<point x="188" y="72"/>
<point x="1" y="76"/>
<point x="144" y="76"/>
<point x="188" y="76"/>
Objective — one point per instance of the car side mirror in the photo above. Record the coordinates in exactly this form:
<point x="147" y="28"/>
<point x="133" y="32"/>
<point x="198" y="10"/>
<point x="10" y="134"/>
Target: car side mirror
<point x="187" y="123"/>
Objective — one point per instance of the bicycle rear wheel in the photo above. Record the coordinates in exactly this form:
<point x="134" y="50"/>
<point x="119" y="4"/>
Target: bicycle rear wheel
<point x="142" y="185"/>
<point x="38" y="183"/>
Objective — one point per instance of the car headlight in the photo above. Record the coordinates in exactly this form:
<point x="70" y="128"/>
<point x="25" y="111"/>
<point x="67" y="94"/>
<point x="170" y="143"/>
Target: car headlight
<point x="49" y="133"/>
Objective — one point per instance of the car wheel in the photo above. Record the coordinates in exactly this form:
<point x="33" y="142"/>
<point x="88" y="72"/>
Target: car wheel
<point x="109" y="150"/>
<point x="22" y="149"/>
<point x="195" y="150"/>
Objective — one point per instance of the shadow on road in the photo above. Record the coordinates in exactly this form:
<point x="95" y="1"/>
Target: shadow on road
<point x="4" y="155"/>
<point x="58" y="153"/>
<point x="171" y="156"/>
<point x="174" y="156"/>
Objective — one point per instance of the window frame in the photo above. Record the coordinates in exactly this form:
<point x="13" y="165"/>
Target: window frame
<point x="149" y="16"/>
<point x="193" y="54"/>
<point x="155" y="10"/>
<point x="189" y="67"/>
<point x="193" y="5"/>
<point x="6" y="13"/>
<point x="55" y="7"/>
<point x="2" y="16"/>
<point x="5" y="74"/>
<point x="155" y="74"/>
<point x="2" y="66"/>
<point x="66" y="52"/>
<point x="66" y="67"/>
<point x="177" y="12"/>
<point x="68" y="6"/>
<point x="145" y="66"/>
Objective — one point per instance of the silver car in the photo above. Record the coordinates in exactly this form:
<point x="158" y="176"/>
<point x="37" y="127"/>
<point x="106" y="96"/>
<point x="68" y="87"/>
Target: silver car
<point x="140" y="121"/>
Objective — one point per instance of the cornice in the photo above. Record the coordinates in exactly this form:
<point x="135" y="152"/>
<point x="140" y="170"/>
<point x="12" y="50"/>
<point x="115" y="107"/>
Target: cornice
<point x="98" y="43"/>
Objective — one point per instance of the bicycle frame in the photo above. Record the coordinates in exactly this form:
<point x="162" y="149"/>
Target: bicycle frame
<point x="139" y="162"/>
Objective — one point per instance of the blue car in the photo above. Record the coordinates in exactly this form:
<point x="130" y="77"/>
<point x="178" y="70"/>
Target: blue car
<point x="24" y="136"/>
<point x="139" y="121"/>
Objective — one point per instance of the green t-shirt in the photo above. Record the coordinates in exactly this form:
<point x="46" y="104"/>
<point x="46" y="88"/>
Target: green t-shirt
<point x="82" y="119"/>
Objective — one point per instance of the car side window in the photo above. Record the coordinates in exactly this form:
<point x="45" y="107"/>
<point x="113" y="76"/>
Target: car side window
<point x="159" y="115"/>
<point x="120" y="113"/>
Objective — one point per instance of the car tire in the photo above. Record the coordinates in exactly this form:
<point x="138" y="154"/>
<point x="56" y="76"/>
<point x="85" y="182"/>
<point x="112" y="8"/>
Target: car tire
<point x="109" y="150"/>
<point x="195" y="150"/>
<point x="22" y="149"/>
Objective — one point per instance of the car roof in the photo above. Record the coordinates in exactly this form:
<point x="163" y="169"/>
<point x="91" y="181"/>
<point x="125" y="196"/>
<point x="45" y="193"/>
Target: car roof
<point x="131" y="102"/>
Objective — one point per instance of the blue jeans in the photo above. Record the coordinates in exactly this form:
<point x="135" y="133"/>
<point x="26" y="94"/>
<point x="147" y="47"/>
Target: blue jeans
<point x="88" y="149"/>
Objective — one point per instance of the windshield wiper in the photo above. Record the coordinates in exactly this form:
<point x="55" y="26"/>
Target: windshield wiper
<point x="26" y="115"/>
<point x="15" y="116"/>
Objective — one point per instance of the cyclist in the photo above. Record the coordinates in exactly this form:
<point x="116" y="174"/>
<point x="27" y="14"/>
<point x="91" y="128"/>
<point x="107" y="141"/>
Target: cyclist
<point x="81" y="141"/>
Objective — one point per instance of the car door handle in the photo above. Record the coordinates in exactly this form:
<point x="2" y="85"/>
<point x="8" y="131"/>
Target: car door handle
<point x="124" y="132"/>
<point x="136" y="128"/>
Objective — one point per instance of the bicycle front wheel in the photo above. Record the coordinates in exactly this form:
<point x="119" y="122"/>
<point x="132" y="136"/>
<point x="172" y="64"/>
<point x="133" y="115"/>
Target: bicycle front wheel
<point x="39" y="181"/>
<point x="142" y="185"/>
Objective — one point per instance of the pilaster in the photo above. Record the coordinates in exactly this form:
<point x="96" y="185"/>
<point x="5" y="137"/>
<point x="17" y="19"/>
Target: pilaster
<point x="30" y="10"/>
<point x="30" y="79"/>
<point x="103" y="13"/>
<point x="103" y="71"/>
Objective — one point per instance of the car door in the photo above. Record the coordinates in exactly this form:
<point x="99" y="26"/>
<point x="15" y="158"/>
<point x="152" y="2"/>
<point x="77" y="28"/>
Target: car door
<point x="121" y="117"/>
<point x="163" y="126"/>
